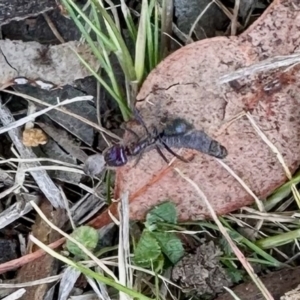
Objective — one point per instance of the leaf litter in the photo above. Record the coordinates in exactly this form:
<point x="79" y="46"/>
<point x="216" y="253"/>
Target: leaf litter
<point x="84" y="137"/>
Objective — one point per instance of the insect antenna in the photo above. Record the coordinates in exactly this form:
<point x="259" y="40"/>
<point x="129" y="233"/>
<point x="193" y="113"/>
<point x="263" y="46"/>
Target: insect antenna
<point x="124" y="127"/>
<point x="139" y="118"/>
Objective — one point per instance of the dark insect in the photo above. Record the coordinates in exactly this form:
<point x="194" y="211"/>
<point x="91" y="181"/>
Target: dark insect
<point x="43" y="56"/>
<point x="176" y="133"/>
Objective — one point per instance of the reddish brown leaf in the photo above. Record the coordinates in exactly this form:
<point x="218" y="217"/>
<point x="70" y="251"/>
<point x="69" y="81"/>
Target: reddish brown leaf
<point x="186" y="84"/>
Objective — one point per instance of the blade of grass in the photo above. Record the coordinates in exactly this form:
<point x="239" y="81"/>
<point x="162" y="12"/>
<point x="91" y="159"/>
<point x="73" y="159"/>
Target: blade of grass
<point x="102" y="57"/>
<point x="71" y="6"/>
<point x="278" y="240"/>
<point x="157" y="51"/>
<point x="122" y="52"/>
<point x="109" y="70"/>
<point x="89" y="272"/>
<point x="122" y="105"/>
<point x="238" y="237"/>
<point x="140" y="46"/>
<point x="129" y="21"/>
<point x="233" y="246"/>
<point x="149" y="37"/>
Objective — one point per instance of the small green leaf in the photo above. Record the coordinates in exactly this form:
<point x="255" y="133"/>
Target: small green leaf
<point x="235" y="275"/>
<point x="165" y="212"/>
<point x="85" y="235"/>
<point x="147" y="250"/>
<point x="170" y="245"/>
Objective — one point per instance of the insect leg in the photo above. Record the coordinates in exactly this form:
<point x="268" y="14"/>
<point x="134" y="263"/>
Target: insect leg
<point x="138" y="159"/>
<point x="175" y="154"/>
<point x="161" y="154"/>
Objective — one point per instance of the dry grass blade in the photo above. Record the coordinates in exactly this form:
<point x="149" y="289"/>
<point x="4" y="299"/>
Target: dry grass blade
<point x="15" y="295"/>
<point x="84" y="249"/>
<point x="125" y="274"/>
<point x="243" y="184"/>
<point x="41" y="177"/>
<point x="199" y="17"/>
<point x="13" y="213"/>
<point x="262" y="66"/>
<point x="31" y="117"/>
<point x="271" y="145"/>
<point x="224" y="232"/>
<point x="30" y="160"/>
<point x="234" y="20"/>
<point x="278" y="154"/>
<point x="67" y="283"/>
<point x="166" y="26"/>
<point x="31" y="283"/>
<point x="94" y="125"/>
<point x="106" y="280"/>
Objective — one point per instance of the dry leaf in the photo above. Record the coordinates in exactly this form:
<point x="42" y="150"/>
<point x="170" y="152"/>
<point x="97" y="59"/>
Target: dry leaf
<point x="34" y="137"/>
<point x="186" y="85"/>
<point x="58" y="65"/>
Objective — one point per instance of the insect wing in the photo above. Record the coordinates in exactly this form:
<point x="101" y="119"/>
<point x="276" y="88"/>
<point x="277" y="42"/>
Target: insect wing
<point x="197" y="140"/>
<point x="177" y="126"/>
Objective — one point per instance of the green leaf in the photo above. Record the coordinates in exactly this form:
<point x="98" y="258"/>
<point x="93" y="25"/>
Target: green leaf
<point x="235" y="275"/>
<point x="165" y="212"/>
<point x="147" y="250"/>
<point x="85" y="235"/>
<point x="170" y="245"/>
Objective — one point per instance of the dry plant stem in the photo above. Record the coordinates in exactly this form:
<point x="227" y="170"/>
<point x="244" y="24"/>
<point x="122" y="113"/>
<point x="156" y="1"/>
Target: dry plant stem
<point x="262" y="66"/>
<point x="30" y="117"/>
<point x="115" y="13"/>
<point x="100" y="128"/>
<point x="234" y="20"/>
<point x="41" y="177"/>
<point x="181" y="35"/>
<point x="15" y="295"/>
<point x="125" y="272"/>
<point x="278" y="154"/>
<point x="199" y="17"/>
<point x="67" y="208"/>
<point x="53" y="28"/>
<point x="13" y="212"/>
<point x="243" y="184"/>
<point x="166" y="27"/>
<point x="19" y="262"/>
<point x="84" y="249"/>
<point x="271" y="145"/>
<point x="224" y="232"/>
<point x="30" y="283"/>
<point x="226" y="11"/>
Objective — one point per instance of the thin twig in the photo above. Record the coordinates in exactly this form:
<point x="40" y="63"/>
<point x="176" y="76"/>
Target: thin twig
<point x="198" y="18"/>
<point x="234" y="20"/>
<point x="53" y="28"/>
